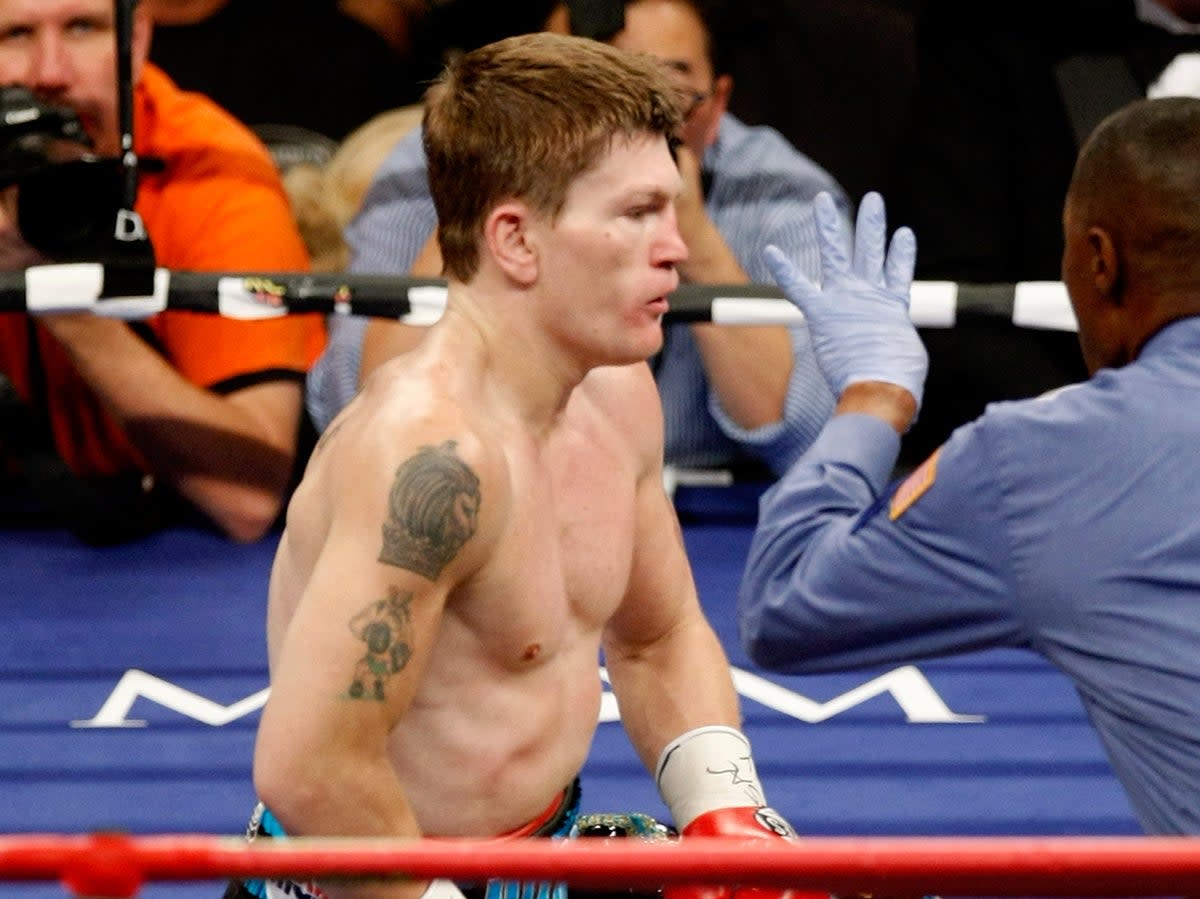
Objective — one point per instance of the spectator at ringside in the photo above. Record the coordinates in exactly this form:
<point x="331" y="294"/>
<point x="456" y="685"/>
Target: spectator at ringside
<point x="128" y="424"/>
<point x="326" y="197"/>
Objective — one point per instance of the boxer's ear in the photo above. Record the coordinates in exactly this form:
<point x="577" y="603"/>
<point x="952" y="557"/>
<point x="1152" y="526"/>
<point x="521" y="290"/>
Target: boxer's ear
<point x="506" y="240"/>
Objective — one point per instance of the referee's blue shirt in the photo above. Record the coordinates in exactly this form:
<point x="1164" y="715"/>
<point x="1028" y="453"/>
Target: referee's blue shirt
<point x="1067" y="524"/>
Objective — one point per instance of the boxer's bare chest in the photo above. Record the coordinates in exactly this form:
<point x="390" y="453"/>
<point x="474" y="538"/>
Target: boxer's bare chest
<point x="563" y="559"/>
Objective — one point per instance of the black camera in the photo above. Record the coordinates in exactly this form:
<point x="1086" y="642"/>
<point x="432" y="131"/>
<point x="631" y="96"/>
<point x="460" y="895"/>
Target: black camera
<point x="68" y="198"/>
<point x="33" y="133"/>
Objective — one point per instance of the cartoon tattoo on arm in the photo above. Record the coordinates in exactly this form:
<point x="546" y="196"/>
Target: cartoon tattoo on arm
<point x="433" y="510"/>
<point x="385" y="627"/>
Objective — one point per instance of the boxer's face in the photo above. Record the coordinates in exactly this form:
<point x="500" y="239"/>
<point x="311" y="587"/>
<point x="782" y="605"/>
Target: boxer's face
<point x="611" y="253"/>
<point x="65" y="52"/>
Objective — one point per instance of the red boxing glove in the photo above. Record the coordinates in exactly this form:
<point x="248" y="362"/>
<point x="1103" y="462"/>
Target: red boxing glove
<point x="743" y="823"/>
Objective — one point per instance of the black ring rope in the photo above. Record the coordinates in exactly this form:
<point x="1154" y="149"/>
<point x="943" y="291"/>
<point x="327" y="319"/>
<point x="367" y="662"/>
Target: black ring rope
<point x="79" y="287"/>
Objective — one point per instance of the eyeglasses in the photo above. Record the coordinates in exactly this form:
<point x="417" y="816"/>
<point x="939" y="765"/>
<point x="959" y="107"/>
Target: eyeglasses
<point x="691" y="100"/>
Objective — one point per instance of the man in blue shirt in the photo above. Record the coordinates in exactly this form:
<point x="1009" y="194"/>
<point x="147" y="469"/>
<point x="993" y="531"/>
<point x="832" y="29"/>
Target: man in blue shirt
<point x="1065" y="524"/>
<point x="731" y="396"/>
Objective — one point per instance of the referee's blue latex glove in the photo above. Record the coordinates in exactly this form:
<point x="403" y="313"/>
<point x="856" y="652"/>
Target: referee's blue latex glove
<point x="858" y="317"/>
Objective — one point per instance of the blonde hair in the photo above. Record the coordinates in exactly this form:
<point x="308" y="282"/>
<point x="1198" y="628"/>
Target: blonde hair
<point x="348" y="174"/>
<point x="325" y="198"/>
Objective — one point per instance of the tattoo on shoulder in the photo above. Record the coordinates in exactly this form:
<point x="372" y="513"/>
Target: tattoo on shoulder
<point x="385" y="626"/>
<point x="433" y="509"/>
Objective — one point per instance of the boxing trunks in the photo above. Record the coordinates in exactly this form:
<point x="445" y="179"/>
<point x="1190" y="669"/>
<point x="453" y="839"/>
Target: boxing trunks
<point x="558" y="820"/>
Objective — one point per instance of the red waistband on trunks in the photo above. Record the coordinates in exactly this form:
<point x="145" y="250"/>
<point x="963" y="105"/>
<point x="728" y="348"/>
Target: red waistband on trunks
<point x="528" y="830"/>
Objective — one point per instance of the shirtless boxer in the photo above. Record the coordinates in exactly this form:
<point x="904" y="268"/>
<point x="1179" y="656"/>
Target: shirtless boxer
<point x="488" y="516"/>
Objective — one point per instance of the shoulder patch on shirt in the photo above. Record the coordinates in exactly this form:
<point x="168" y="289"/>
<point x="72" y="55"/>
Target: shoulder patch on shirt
<point x="914" y="486"/>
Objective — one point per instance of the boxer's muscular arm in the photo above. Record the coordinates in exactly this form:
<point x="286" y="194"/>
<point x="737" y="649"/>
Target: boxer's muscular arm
<point x="675" y="687"/>
<point x="363" y="632"/>
<point x="667" y="667"/>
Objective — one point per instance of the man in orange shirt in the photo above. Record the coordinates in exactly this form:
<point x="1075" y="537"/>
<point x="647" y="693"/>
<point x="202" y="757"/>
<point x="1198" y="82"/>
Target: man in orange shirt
<point x="184" y="405"/>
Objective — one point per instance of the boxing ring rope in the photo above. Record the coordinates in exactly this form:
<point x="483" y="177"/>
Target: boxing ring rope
<point x="115" y="865"/>
<point x="80" y="287"/>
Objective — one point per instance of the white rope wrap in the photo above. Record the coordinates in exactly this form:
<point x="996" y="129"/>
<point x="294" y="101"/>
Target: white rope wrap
<point x="428" y="303"/>
<point x="1043" y="304"/>
<point x="76" y="287"/>
<point x="63" y="288"/>
<point x="751" y="311"/>
<point x="706" y="769"/>
<point x="933" y="304"/>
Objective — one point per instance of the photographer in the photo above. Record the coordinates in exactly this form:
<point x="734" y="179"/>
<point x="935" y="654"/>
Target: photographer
<point x="122" y="427"/>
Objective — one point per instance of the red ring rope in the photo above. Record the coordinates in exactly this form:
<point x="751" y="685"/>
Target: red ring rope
<point x="117" y="865"/>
